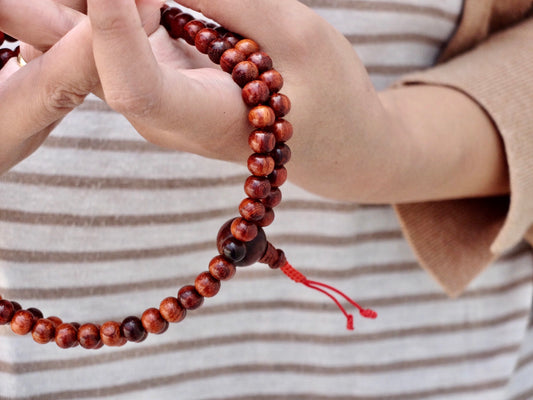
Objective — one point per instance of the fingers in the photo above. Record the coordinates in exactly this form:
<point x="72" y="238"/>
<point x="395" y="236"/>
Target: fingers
<point x="78" y="5"/>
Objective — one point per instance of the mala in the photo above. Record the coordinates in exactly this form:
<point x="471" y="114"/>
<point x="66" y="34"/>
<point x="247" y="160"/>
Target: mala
<point x="241" y="241"/>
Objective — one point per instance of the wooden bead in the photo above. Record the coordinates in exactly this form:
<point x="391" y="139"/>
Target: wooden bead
<point x="153" y="321"/>
<point x="16" y="305"/>
<point x="22" y="322"/>
<point x="9" y="38"/>
<point x="177" y="23"/>
<point x="282" y="130"/>
<point x="243" y="230"/>
<point x="206" y="285"/>
<point x="244" y="72"/>
<point x="278" y="177"/>
<point x="281" y="260"/>
<point x="221" y="268"/>
<point x="36" y="312"/>
<point x="233" y="249"/>
<point x="7" y="310"/>
<point x="273" y="199"/>
<point x="1" y="38"/>
<point x="252" y="210"/>
<point x="133" y="330"/>
<point x="203" y="39"/>
<point x="270" y="256"/>
<point x="43" y="331"/>
<point x="281" y="154"/>
<point x="111" y="334"/>
<point x="273" y="80"/>
<point x="261" y="141"/>
<point x="55" y="320"/>
<point x="262" y="60"/>
<point x="189" y="298"/>
<point x="167" y="15"/>
<point x="260" y="164"/>
<point x="89" y="336"/>
<point x="171" y="310"/>
<point x="232" y="38"/>
<point x="261" y="116"/>
<point x="267" y="219"/>
<point x="255" y="92"/>
<point x="230" y="58"/>
<point x="280" y="104"/>
<point x="217" y="48"/>
<point x="257" y="187"/>
<point x="253" y="249"/>
<point x="247" y="46"/>
<point x="5" y="55"/>
<point x="66" y="336"/>
<point x="191" y="29"/>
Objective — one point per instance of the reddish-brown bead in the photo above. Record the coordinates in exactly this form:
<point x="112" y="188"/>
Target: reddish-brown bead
<point x="203" y="39"/>
<point x="273" y="80"/>
<point x="55" y="320"/>
<point x="257" y="187"/>
<point x="153" y="321"/>
<point x="5" y="55"/>
<point x="177" y="23"/>
<point x="171" y="310"/>
<point x="260" y="164"/>
<point x="167" y="15"/>
<point x="89" y="336"/>
<point x="268" y="218"/>
<point x="261" y="116"/>
<point x="22" y="322"/>
<point x="280" y="104"/>
<point x="262" y="60"/>
<point x="244" y="72"/>
<point x="191" y="29"/>
<point x="229" y="247"/>
<point x="262" y="141"/>
<point x="133" y="329"/>
<point x="36" y="312"/>
<point x="7" y="310"/>
<point x="111" y="334"/>
<point x="230" y="58"/>
<point x="252" y="210"/>
<point x="233" y="38"/>
<point x="43" y="331"/>
<point x="221" y="268"/>
<point x="280" y="261"/>
<point x="243" y="230"/>
<point x="281" y="154"/>
<point x="255" y="92"/>
<point x="206" y="284"/>
<point x="216" y="48"/>
<point x="278" y="177"/>
<point x="66" y="336"/>
<point x="189" y="298"/>
<point x="247" y="46"/>
<point x="282" y="129"/>
<point x="270" y="256"/>
<point x="16" y="305"/>
<point x="273" y="199"/>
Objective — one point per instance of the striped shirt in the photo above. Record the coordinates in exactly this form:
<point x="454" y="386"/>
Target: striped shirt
<point x="99" y="225"/>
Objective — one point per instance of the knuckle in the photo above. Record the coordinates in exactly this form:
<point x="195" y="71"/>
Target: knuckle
<point x="64" y="97"/>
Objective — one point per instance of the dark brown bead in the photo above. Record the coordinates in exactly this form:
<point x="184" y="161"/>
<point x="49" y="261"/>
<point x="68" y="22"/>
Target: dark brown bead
<point x="221" y="30"/>
<point x="203" y="39"/>
<point x="282" y="130"/>
<point x="22" y="322"/>
<point x="273" y="199"/>
<point x="153" y="321"/>
<point x="66" y="336"/>
<point x="255" y="92"/>
<point x="177" y="23"/>
<point x="244" y="72"/>
<point x="247" y="46"/>
<point x="7" y="310"/>
<point x="5" y="55"/>
<point x="189" y="298"/>
<point x="230" y="59"/>
<point x="243" y="230"/>
<point x="16" y="305"/>
<point x="278" y="177"/>
<point x="133" y="330"/>
<point x="43" y="331"/>
<point x="167" y="15"/>
<point x="1" y="38"/>
<point x="261" y="116"/>
<point x="254" y="249"/>
<point x="257" y="187"/>
<point x="36" y="312"/>
<point x="267" y="219"/>
<point x="262" y="60"/>
<point x="55" y="320"/>
<point x="206" y="284"/>
<point x="162" y="10"/>
<point x="260" y="164"/>
<point x="9" y="38"/>
<point x="89" y="336"/>
<point x="281" y="154"/>
<point x="232" y="38"/>
<point x="191" y="29"/>
<point x="262" y="141"/>
<point x="252" y="210"/>
<point x="222" y="269"/>
<point x="111" y="334"/>
<point x="273" y="80"/>
<point x="280" y="104"/>
<point x="217" y="48"/>
<point x="171" y="310"/>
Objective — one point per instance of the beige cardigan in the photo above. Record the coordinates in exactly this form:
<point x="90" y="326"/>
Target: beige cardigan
<point x="490" y="58"/>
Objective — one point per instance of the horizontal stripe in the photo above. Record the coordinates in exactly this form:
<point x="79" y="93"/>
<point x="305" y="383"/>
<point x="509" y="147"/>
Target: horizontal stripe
<point x="380" y="38"/>
<point x="393" y="69"/>
<point x="384" y="6"/>
<point x="524" y="361"/>
<point x="116" y="145"/>
<point x="525" y="395"/>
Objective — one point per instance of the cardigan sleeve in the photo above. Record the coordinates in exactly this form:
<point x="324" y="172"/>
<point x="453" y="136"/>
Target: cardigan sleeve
<point x="456" y="239"/>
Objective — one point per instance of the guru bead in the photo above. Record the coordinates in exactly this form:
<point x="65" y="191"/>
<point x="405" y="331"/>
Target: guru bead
<point x="253" y="249"/>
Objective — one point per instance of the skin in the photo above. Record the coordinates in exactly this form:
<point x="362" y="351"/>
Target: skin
<point x="351" y="143"/>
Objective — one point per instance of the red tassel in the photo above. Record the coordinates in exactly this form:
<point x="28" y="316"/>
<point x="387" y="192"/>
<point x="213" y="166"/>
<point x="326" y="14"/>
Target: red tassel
<point x="298" y="277"/>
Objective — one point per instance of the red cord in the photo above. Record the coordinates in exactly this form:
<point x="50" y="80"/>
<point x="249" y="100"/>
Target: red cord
<point x="298" y="277"/>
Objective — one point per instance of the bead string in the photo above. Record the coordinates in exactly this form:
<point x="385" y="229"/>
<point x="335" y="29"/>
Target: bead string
<point x="241" y="241"/>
